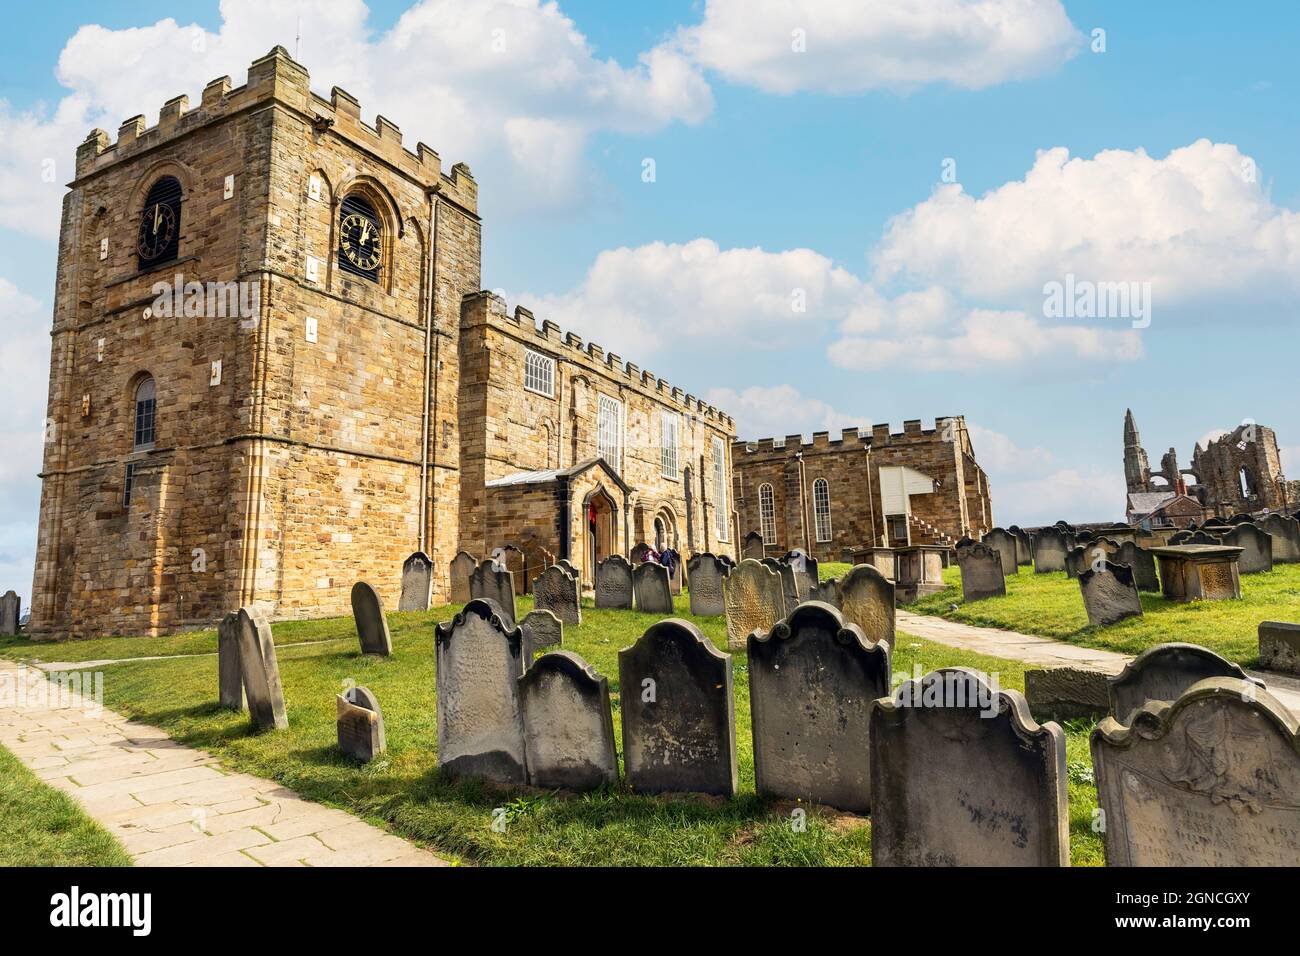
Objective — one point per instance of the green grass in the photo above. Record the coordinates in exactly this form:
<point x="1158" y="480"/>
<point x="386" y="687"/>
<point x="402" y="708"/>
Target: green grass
<point x="405" y="792"/>
<point x="42" y="826"/>
<point x="1050" y="605"/>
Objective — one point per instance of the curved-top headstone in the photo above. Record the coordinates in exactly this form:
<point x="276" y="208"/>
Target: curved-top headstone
<point x="360" y="724"/>
<point x="650" y="585"/>
<point x="789" y="586"/>
<point x="556" y="590"/>
<point x="679" y="728"/>
<point x="812" y="679"/>
<point x="1024" y="545"/>
<point x="1109" y="593"/>
<point x="867" y="600"/>
<point x="417" y="583"/>
<point x="569" y="569"/>
<point x="614" y="582"/>
<point x="1240" y="518"/>
<point x="753" y="599"/>
<point x="1257" y="548"/>
<point x="1165" y="672"/>
<point x="704" y="577"/>
<point x="568" y="727"/>
<point x="752" y="546"/>
<point x="1143" y="563"/>
<point x="1286" y="537"/>
<point x="479" y="659"/>
<point x="542" y="629"/>
<point x="1212" y="779"/>
<point x="491" y="582"/>
<point x="1004" y="542"/>
<point x="981" y="573"/>
<point x="460" y="569"/>
<point x="1049" y="551"/>
<point x="1193" y="537"/>
<point x="11" y="610"/>
<point x="962" y="775"/>
<point x="372" y="625"/>
<point x="260" y="670"/>
<point x="640" y="552"/>
<point x="536" y="560"/>
<point x="1089" y="554"/>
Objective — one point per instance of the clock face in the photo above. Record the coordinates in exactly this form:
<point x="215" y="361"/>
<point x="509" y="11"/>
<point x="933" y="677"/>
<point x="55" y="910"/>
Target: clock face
<point x="157" y="229"/>
<point x="359" y="241"/>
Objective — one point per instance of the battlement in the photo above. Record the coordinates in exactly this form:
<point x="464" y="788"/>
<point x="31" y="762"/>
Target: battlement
<point x="488" y="308"/>
<point x="879" y="436"/>
<point x="278" y="77"/>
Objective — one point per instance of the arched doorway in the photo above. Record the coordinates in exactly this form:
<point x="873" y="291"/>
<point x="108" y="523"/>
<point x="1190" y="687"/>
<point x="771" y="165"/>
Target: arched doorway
<point x="665" y="530"/>
<point x="600" y="539"/>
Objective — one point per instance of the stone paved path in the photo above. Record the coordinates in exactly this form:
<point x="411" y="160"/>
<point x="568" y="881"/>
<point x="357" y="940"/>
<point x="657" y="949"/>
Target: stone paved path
<point x="171" y="805"/>
<point x="1046" y="652"/>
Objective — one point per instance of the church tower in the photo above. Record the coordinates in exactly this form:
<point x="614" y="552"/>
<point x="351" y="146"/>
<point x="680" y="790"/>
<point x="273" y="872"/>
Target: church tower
<point x="1137" y="470"/>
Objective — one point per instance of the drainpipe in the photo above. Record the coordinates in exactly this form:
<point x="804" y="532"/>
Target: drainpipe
<point x="431" y="293"/>
<point x="871" y="500"/>
<point x="803" y="502"/>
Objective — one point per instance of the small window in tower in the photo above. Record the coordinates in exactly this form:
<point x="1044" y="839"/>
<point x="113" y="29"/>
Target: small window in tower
<point x="146" y="407"/>
<point x="539" y="373"/>
<point x="159" y="238"/>
<point x="361" y="245"/>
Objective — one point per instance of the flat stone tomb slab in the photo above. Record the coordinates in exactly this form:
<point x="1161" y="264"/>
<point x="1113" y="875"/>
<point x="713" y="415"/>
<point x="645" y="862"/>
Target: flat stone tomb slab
<point x="1192" y="572"/>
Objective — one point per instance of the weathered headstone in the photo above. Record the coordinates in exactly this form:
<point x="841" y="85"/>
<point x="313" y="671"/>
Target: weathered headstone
<point x="812" y="679"/>
<point x="1199" y="572"/>
<point x="461" y="568"/>
<point x="1212" y="779"/>
<point x="536" y="560"/>
<point x="1005" y="544"/>
<point x="1164" y="672"/>
<point x="555" y="590"/>
<point x="1143" y="563"/>
<point x="1024" y="545"/>
<point x="867" y="600"/>
<point x="1065" y="693"/>
<point x="962" y="775"/>
<point x="1279" y="646"/>
<point x="11" y="611"/>
<point x="479" y="660"/>
<point x="1194" y="537"/>
<point x="542" y="629"/>
<point x="1257" y="548"/>
<point x="491" y="583"/>
<point x="360" y="724"/>
<point x="828" y="592"/>
<point x="1109" y="593"/>
<point x="728" y="560"/>
<point x="753" y="599"/>
<point x="1090" y="554"/>
<point x="1286" y="537"/>
<point x="805" y="570"/>
<point x="417" y="583"/>
<point x="1049" y="551"/>
<point x="679" y="728"/>
<point x="789" y="586"/>
<point x="640" y="553"/>
<point x="372" y="625"/>
<point x="230" y="675"/>
<point x="568" y="727"/>
<point x="650" y="585"/>
<point x="569" y="569"/>
<point x="614" y="582"/>
<point x="752" y="547"/>
<point x="510" y="558"/>
<point x="981" y="573"/>
<point x="260" y="670"/>
<point x="704" y="577"/>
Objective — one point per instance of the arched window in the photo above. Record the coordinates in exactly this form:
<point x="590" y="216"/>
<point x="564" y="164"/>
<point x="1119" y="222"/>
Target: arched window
<point x="1247" y="482"/>
<point x="766" y="514"/>
<point x="146" y="405"/>
<point x="361" y="238"/>
<point x="160" y="223"/>
<point x="822" y="508"/>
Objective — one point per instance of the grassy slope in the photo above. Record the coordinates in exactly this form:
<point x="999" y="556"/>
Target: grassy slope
<point x="1050" y="605"/>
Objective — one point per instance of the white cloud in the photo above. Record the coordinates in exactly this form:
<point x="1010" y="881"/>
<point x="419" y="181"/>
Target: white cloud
<point x="1000" y="456"/>
<point x="851" y="46"/>
<point x="1290" y="457"/>
<point x="779" y="410"/>
<point x="1091" y="494"/>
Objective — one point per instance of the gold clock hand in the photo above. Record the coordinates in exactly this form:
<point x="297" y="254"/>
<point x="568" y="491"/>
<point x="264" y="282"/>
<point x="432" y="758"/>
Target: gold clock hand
<point x="157" y="219"/>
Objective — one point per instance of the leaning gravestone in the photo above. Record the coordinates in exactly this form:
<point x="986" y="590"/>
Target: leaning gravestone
<point x="1164" y="672"/>
<point x="1090" y="553"/>
<point x="417" y="583"/>
<point x="867" y="600"/>
<point x="650" y="585"/>
<point x="542" y="629"/>
<point x="489" y="582"/>
<point x="568" y="729"/>
<point x="1257" y="548"/>
<point x="1286" y="537"/>
<point x="1005" y="544"/>
<point x="1109" y="593"/>
<point x="260" y="670"/>
<point x="752" y="547"/>
<point x="1212" y="779"/>
<point x="1143" y="563"/>
<point x="614" y="582"/>
<point x="462" y="567"/>
<point x="812" y="679"/>
<point x="981" y="573"/>
<point x="753" y="600"/>
<point x="679" y="726"/>
<point x="1279" y="646"/>
<point x="828" y="592"/>
<point x="11" y="610"/>
<point x="962" y="775"/>
<point x="704" y="577"/>
<point x="229" y="670"/>
<point x="1049" y="550"/>
<point x="479" y="659"/>
<point x="555" y="590"/>
<point x="360" y="724"/>
<point x="372" y="625"/>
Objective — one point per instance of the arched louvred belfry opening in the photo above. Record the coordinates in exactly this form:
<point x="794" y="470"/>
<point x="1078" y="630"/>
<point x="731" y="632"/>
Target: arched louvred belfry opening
<point x="361" y="238"/>
<point x="159" y="238"/>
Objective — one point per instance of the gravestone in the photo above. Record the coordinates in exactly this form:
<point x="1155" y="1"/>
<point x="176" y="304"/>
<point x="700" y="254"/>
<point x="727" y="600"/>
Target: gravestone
<point x="1024" y="545"/>
<point x="260" y="670"/>
<point x="360" y="724"/>
<point x="614" y="582"/>
<point x="1286" y="537"/>
<point x="812" y="679"/>
<point x="417" y="583"/>
<point x="981" y="573"/>
<point x="1143" y="564"/>
<point x="536" y="560"/>
<point x="1049" y="551"/>
<point x="568" y="567"/>
<point x="230" y="676"/>
<point x="640" y="553"/>
<point x="704" y="577"/>
<point x="372" y="625"/>
<point x="1165" y="672"/>
<point x="1193" y="537"/>
<point x="568" y="727"/>
<point x="1090" y="554"/>
<point x="1279" y="646"/>
<point x="727" y="560"/>
<point x="1005" y="544"/>
<point x="491" y="583"/>
<point x="11" y="611"/>
<point x="962" y="775"/>
<point x="828" y="592"/>
<point x="1257" y="548"/>
<point x="805" y="570"/>
<point x="867" y="600"/>
<point x="650" y="585"/>
<point x="1065" y="693"/>
<point x="679" y="727"/>
<point x="555" y="590"/>
<point x="1109" y="593"/>
<point x="752" y="547"/>
<point x="789" y="586"/>
<point x="479" y="659"/>
<point x="1240" y="518"/>
<point x="462" y="566"/>
<point x="509" y="558"/>
<point x="1212" y="779"/>
<point x="753" y="599"/>
<point x="542" y="629"/>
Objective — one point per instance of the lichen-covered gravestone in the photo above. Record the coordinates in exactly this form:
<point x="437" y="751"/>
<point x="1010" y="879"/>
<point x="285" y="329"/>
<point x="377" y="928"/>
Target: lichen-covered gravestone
<point x="491" y="582"/>
<point x="812" y="679"/>
<point x="1211" y="779"/>
<point x="1067" y="692"/>
<point x="417" y="583"/>
<point x="229" y="670"/>
<point x="753" y="600"/>
<point x="653" y="593"/>
<point x="542" y="629"/>
<point x="1279" y="646"/>
<point x="568" y="728"/>
<point x="614" y="582"/>
<point x="640" y="553"/>
<point x="260" y="670"/>
<point x="1006" y="545"/>
<point x="1109" y="593"/>
<point x="1257" y="548"/>
<point x="867" y="600"/>
<point x="1050" y="549"/>
<point x="1286" y="537"/>
<point x="1143" y="564"/>
<point x="752" y="546"/>
<point x="372" y="625"/>
<point x="1164" y="672"/>
<point x="679" y="726"/>
<point x="568" y="567"/>
<point x="981" y="573"/>
<point x="704" y="577"/>
<point x="962" y="775"/>
<point x="460" y="569"/>
<point x="360" y="724"/>
<point x="479" y="660"/>
<point x="11" y="610"/>
<point x="555" y="590"/>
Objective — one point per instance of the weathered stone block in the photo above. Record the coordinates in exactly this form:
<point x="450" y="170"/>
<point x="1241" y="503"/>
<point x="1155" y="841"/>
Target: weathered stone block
<point x="1067" y="692"/>
<point x="360" y="724"/>
<point x="1279" y="647"/>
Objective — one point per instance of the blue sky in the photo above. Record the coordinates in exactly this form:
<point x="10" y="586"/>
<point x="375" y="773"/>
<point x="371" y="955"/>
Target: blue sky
<point x="780" y="171"/>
